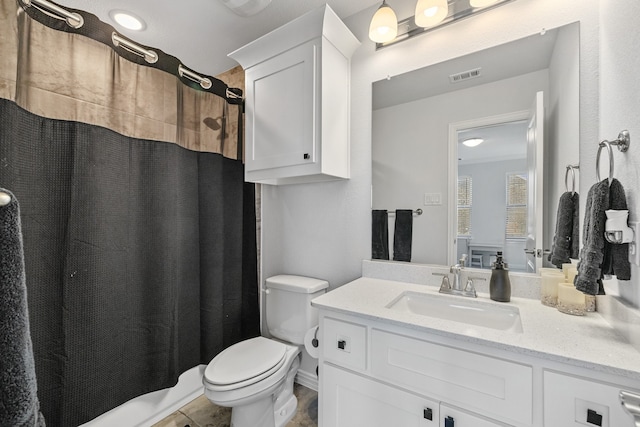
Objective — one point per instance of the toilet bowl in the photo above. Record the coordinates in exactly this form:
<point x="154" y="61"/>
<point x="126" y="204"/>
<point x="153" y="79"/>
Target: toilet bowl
<point x="255" y="377"/>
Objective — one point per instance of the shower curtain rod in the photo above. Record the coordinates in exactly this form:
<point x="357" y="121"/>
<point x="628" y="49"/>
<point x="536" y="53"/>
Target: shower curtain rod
<point x="99" y="31"/>
<point x="74" y="20"/>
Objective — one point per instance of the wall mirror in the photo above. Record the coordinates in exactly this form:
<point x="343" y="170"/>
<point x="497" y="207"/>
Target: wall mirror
<point x="513" y="179"/>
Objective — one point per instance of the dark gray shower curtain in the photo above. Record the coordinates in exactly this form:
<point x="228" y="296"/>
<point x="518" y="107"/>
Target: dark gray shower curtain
<point x="139" y="232"/>
<point x="140" y="259"/>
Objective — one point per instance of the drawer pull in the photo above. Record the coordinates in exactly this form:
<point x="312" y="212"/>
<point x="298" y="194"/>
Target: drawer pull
<point x="631" y="403"/>
<point x="449" y="422"/>
<point x="594" y="418"/>
<point x="427" y="414"/>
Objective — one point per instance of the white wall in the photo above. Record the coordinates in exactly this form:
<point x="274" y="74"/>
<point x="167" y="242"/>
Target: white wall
<point x="410" y="146"/>
<point x="563" y="123"/>
<point x="323" y="229"/>
<point x="619" y="109"/>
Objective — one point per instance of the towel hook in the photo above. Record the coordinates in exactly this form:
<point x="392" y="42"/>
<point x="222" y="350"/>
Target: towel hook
<point x="623" y="142"/>
<point x="573" y="169"/>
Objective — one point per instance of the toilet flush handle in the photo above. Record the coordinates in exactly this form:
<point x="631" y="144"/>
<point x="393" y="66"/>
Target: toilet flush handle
<point x="266" y="291"/>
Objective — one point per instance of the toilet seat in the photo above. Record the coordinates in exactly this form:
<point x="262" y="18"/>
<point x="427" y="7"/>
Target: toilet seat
<point x="245" y="363"/>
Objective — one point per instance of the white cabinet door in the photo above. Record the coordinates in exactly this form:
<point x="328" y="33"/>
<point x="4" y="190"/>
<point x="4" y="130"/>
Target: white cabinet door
<point x="281" y="109"/>
<point x="451" y="417"/>
<point x="570" y="401"/>
<point x="350" y="400"/>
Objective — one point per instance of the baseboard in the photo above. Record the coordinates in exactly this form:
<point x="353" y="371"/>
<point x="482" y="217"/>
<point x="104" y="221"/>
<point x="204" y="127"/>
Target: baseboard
<point x="307" y="379"/>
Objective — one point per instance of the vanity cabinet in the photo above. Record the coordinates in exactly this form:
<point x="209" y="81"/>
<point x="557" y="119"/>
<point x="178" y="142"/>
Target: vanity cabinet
<point x="374" y="373"/>
<point x="573" y="401"/>
<point x="297" y="101"/>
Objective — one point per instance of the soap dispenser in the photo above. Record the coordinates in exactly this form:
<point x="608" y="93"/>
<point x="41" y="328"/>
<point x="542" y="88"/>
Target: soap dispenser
<point x="499" y="285"/>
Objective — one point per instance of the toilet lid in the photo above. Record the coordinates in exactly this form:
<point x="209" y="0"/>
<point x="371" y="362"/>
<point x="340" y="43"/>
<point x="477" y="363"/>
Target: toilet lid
<point x="255" y="358"/>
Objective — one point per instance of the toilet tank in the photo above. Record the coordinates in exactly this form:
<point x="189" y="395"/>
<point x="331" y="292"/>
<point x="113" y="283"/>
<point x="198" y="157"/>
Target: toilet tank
<point x="288" y="306"/>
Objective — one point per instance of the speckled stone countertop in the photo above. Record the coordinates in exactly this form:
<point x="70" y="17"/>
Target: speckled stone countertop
<point x="586" y="341"/>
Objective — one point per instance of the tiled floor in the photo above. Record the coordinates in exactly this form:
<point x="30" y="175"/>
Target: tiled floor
<point x="202" y="413"/>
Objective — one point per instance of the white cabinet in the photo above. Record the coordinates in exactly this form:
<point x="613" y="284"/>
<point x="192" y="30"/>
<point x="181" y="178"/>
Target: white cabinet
<point x="352" y="400"/>
<point x="371" y="377"/>
<point x="374" y="373"/>
<point x="571" y="401"/>
<point x="297" y="101"/>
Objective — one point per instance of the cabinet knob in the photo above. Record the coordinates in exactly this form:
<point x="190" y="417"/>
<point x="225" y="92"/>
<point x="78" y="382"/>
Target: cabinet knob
<point x="342" y="344"/>
<point x="306" y="156"/>
<point x="427" y="414"/>
<point x="449" y="422"/>
<point x="594" y="418"/>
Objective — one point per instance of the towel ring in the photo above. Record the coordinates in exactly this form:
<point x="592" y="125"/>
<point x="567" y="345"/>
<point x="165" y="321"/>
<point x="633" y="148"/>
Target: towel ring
<point x="623" y="142"/>
<point x="571" y="168"/>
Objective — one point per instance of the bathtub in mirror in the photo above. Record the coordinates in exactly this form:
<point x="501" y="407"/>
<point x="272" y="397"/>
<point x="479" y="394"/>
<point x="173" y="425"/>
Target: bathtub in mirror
<point x="420" y="119"/>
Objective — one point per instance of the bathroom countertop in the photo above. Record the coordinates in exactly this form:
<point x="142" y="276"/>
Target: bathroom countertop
<point x="586" y="341"/>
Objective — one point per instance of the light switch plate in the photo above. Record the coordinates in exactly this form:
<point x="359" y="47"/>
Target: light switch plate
<point x="432" y="199"/>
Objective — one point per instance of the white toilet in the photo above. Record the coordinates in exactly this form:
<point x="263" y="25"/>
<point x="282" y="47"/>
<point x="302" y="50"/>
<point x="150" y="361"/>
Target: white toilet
<point x="255" y="377"/>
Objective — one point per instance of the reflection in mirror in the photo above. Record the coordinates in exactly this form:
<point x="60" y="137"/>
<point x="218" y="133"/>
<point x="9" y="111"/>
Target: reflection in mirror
<point x="415" y="166"/>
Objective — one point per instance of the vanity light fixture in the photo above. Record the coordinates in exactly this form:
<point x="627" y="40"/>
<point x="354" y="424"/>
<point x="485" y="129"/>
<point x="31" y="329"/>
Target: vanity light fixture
<point x="384" y="24"/>
<point x="482" y="3"/>
<point x="385" y="29"/>
<point x="473" y="142"/>
<point x="127" y="20"/>
<point x="431" y="12"/>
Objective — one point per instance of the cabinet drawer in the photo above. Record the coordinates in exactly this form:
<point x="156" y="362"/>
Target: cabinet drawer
<point x="568" y="400"/>
<point x="344" y="343"/>
<point x="496" y="388"/>
<point x="457" y="418"/>
<point x="350" y="400"/>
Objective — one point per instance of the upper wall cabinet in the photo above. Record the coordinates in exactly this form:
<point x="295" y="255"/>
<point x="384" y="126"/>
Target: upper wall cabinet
<point x="297" y="100"/>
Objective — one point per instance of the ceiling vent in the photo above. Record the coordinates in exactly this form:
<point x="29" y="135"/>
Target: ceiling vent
<point x="465" y="75"/>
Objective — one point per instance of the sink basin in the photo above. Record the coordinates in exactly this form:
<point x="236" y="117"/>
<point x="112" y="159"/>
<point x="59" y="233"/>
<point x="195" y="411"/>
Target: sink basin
<point x="457" y="309"/>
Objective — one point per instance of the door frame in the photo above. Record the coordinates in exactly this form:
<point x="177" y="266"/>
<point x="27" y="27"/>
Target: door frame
<point x="454" y="128"/>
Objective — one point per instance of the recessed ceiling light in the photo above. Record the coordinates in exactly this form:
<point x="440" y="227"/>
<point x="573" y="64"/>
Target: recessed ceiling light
<point x="127" y="20"/>
<point x="472" y="142"/>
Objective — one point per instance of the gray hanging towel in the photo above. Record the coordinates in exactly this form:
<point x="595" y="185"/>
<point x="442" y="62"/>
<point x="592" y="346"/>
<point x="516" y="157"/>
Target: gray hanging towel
<point x="403" y="234"/>
<point x="379" y="234"/>
<point x="18" y="388"/>
<point x="616" y="257"/>
<point x="592" y="253"/>
<point x="566" y="240"/>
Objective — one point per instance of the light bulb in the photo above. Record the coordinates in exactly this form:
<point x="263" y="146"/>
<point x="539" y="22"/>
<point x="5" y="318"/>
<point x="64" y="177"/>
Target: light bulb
<point x="384" y="25"/>
<point x="431" y="12"/>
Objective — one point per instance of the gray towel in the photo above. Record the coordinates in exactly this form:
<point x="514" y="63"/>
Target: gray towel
<point x="403" y="235"/>
<point x="379" y="234"/>
<point x="566" y="241"/>
<point x="616" y="257"/>
<point x="592" y="254"/>
<point x="18" y="389"/>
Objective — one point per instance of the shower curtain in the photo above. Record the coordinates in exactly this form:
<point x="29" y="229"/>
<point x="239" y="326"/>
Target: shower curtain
<point x="139" y="232"/>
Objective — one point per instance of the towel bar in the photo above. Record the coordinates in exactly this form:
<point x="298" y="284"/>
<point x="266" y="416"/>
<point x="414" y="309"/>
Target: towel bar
<point x="623" y="142"/>
<point x="415" y="212"/>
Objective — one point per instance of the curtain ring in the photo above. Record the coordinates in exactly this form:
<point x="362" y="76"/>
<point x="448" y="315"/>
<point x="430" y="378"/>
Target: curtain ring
<point x="610" y="153"/>
<point x="573" y="179"/>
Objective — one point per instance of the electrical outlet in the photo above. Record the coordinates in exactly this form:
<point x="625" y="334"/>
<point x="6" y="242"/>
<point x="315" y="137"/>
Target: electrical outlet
<point x="634" y="250"/>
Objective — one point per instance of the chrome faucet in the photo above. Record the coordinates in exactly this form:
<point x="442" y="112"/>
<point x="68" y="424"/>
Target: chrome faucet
<point x="468" y="290"/>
